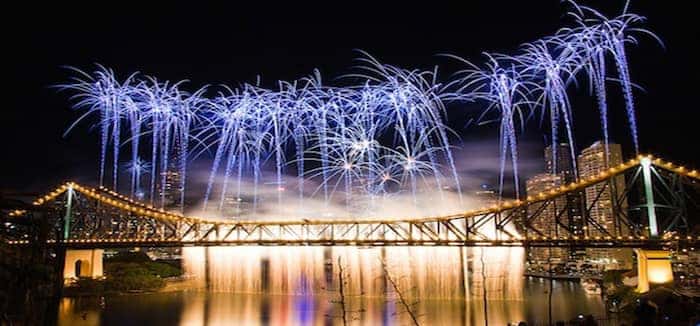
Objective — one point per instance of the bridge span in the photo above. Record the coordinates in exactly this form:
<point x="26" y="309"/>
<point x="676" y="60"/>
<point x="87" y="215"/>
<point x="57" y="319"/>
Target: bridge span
<point x="651" y="211"/>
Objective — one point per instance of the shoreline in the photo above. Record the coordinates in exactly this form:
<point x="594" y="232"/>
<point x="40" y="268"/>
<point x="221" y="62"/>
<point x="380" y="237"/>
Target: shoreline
<point x="558" y="277"/>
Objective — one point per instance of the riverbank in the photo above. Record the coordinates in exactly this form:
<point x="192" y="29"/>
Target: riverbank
<point x="562" y="277"/>
<point x="126" y="273"/>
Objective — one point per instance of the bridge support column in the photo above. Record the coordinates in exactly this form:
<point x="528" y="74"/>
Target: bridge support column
<point x="653" y="267"/>
<point x="649" y="197"/>
<point x="83" y="263"/>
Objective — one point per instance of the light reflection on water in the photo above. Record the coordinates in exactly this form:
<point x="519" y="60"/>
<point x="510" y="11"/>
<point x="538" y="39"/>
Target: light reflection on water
<point x="299" y="286"/>
<point x="421" y="272"/>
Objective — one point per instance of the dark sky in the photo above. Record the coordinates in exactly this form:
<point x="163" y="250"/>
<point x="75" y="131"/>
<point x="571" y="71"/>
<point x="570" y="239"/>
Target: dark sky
<point x="211" y="45"/>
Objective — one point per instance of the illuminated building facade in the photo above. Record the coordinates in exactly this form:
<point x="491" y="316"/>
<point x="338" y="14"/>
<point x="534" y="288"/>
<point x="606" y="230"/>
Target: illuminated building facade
<point x="601" y="204"/>
<point x="561" y="163"/>
<point x="546" y="221"/>
<point x="171" y="191"/>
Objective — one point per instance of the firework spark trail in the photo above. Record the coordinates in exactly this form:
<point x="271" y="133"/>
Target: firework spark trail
<point x="341" y="129"/>
<point x="610" y="35"/>
<point x="506" y="91"/>
<point x="414" y="103"/>
<point x="135" y="122"/>
<point x="408" y="163"/>
<point x="137" y="168"/>
<point x="592" y="55"/>
<point x="623" y="70"/>
<point x="298" y="120"/>
<point x="188" y="108"/>
<point x="99" y="93"/>
<point x="555" y="62"/>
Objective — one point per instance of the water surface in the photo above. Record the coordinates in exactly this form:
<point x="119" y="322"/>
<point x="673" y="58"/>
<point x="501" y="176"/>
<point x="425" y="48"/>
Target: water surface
<point x="301" y="286"/>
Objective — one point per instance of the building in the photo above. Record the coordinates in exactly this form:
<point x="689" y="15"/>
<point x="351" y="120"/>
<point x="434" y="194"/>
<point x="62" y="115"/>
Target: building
<point x="602" y="204"/>
<point x="592" y="161"/>
<point x="170" y="193"/>
<point x="545" y="222"/>
<point x="542" y="183"/>
<point x="486" y="195"/>
<point x="561" y="163"/>
<point x="233" y="206"/>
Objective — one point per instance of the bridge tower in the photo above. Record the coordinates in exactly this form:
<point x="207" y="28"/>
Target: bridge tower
<point x="653" y="266"/>
<point x="79" y="263"/>
<point x="83" y="263"/>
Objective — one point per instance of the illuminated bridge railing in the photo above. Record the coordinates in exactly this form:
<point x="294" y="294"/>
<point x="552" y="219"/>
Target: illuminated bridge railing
<point x="587" y="242"/>
<point x="89" y="217"/>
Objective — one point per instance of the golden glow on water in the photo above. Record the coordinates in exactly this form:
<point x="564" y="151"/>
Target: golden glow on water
<point x="428" y="272"/>
<point x="298" y="286"/>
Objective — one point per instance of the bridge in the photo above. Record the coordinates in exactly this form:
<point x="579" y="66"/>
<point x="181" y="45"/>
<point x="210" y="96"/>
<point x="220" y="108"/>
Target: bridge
<point x="651" y="211"/>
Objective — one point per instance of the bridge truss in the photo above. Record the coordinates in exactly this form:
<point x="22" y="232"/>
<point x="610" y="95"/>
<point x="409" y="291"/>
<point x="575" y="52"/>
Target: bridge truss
<point x="653" y="208"/>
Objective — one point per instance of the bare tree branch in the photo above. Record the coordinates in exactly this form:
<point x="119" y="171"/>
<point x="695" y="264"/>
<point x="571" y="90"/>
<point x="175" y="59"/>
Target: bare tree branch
<point x="402" y="299"/>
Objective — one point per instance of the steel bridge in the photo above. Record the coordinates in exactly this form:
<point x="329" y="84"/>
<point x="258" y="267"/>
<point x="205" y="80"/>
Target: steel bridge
<point x="653" y="209"/>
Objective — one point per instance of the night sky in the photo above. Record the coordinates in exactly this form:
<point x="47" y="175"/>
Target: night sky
<point x="213" y="45"/>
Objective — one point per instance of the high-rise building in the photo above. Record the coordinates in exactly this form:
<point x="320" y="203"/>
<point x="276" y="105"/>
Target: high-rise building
<point x="486" y="195"/>
<point x="592" y="161"/>
<point x="545" y="221"/>
<point x="561" y="163"/>
<point x="232" y="206"/>
<point x="543" y="183"/>
<point x="602" y="204"/>
<point x="170" y="192"/>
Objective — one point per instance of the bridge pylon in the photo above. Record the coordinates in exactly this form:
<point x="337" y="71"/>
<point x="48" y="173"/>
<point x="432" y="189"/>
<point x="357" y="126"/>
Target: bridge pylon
<point x="82" y="263"/>
<point x="653" y="268"/>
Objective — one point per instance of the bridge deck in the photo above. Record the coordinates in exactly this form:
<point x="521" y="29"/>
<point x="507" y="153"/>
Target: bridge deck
<point x="615" y="243"/>
<point x="103" y="218"/>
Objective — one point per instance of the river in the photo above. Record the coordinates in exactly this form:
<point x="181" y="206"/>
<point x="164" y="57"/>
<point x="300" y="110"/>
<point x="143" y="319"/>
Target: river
<point x="302" y="285"/>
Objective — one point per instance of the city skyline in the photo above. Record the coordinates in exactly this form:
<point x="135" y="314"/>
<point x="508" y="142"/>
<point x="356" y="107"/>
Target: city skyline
<point x="447" y="163"/>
